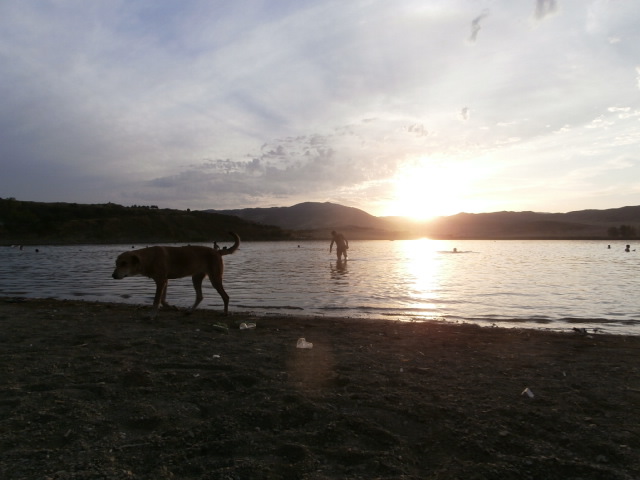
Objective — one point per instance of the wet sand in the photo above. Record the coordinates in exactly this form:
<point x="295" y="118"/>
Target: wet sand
<point x="99" y="391"/>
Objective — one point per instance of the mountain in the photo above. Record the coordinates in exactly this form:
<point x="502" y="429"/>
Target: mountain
<point x="596" y="224"/>
<point x="316" y="220"/>
<point x="23" y="222"/>
<point x="307" y="216"/>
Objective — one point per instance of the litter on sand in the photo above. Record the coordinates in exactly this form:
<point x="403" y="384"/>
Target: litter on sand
<point x="302" y="343"/>
<point x="528" y="393"/>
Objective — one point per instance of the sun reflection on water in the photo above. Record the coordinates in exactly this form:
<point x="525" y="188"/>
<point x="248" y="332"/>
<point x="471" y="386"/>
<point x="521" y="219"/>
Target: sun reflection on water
<point x="423" y="272"/>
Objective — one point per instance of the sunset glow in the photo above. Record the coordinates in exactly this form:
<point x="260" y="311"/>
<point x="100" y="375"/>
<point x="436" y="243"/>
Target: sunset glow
<point x="427" y="189"/>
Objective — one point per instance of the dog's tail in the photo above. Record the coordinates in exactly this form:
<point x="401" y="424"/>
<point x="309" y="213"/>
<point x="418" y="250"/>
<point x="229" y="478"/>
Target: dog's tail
<point x="233" y="248"/>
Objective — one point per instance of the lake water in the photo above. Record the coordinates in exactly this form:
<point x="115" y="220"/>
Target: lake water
<point x="555" y="285"/>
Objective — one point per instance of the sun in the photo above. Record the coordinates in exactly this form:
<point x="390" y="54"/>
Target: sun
<point x="425" y="189"/>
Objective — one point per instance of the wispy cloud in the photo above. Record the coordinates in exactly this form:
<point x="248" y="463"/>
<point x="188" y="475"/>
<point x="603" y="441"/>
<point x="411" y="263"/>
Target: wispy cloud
<point x="545" y="8"/>
<point x="475" y="25"/>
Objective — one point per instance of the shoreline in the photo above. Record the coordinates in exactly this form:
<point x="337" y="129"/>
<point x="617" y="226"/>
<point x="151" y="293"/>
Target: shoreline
<point x="98" y="390"/>
<point x="297" y="314"/>
<point x="568" y="325"/>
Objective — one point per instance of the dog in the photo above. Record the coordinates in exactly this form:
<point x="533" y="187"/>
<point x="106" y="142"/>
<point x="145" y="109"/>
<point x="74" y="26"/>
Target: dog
<point x="164" y="263"/>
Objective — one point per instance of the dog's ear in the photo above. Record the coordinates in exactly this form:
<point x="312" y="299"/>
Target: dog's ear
<point x="128" y="260"/>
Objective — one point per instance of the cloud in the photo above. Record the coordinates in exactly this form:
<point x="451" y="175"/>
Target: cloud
<point x="475" y="25"/>
<point x="418" y="129"/>
<point x="544" y="8"/>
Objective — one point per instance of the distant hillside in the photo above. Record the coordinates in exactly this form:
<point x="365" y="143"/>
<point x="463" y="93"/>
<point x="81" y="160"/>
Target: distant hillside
<point x="605" y="217"/>
<point x="316" y="220"/>
<point x="596" y="224"/>
<point x="308" y="216"/>
<point x="70" y="223"/>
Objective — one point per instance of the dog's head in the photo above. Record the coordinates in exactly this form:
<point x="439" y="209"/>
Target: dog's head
<point x="127" y="265"/>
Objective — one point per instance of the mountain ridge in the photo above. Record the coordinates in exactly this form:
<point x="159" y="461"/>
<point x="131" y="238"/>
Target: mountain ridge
<point x="24" y="222"/>
<point x="315" y="220"/>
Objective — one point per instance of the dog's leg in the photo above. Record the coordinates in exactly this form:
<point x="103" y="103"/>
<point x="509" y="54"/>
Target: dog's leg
<point x="217" y="284"/>
<point x="163" y="298"/>
<point x="197" y="286"/>
<point x="161" y="293"/>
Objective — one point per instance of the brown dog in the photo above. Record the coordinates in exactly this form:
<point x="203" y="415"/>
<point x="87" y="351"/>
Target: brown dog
<point x="163" y="263"/>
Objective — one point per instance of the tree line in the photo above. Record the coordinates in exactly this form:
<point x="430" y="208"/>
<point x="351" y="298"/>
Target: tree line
<point x="23" y="222"/>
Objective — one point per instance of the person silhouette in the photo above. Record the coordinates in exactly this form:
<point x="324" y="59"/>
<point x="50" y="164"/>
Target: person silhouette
<point x="628" y="249"/>
<point x="342" y="244"/>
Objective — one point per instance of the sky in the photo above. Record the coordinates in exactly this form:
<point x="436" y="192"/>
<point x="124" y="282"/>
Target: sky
<point x="407" y="107"/>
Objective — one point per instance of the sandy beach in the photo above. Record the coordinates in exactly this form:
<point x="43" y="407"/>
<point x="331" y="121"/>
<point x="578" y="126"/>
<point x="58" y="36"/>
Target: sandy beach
<point x="100" y="391"/>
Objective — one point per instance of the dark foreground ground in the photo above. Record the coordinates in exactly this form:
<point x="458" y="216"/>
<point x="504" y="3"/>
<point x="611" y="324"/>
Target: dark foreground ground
<point x="98" y="391"/>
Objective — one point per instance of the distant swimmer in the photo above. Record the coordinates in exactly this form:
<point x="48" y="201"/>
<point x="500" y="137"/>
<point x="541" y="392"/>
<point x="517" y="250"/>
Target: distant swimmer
<point x="455" y="250"/>
<point x="342" y="244"/>
<point x="628" y="249"/>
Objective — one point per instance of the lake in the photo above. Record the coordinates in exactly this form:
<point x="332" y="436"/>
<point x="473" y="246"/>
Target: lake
<point x="554" y="285"/>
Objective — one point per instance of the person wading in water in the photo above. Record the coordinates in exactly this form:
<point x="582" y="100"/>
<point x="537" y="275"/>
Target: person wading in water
<point x="342" y="244"/>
